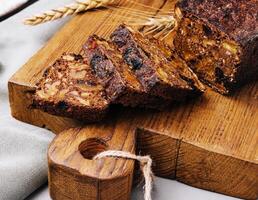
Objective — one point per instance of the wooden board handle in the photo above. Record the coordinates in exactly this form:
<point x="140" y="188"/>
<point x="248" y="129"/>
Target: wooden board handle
<point x="74" y="175"/>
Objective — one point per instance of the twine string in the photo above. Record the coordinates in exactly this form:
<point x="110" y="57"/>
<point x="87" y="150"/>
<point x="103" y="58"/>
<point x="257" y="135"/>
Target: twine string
<point x="145" y="164"/>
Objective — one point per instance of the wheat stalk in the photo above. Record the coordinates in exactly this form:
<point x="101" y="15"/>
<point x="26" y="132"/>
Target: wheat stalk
<point x="159" y="26"/>
<point x="71" y="9"/>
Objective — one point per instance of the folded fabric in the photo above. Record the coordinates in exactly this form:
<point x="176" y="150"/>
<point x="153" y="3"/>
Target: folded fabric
<point x="23" y="163"/>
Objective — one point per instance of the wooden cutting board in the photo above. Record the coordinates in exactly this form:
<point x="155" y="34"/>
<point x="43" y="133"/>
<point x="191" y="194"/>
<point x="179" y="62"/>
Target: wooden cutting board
<point x="210" y="142"/>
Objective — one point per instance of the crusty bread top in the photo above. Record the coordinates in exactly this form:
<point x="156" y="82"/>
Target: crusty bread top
<point x="237" y="18"/>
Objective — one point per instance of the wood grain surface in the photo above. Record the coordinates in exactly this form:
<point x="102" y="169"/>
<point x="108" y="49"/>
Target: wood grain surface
<point x="210" y="142"/>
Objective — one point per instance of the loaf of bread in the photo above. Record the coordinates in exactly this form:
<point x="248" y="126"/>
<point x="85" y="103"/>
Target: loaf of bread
<point x="219" y="40"/>
<point x="148" y="60"/>
<point x="68" y="88"/>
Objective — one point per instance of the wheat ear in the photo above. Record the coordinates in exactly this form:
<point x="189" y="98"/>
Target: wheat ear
<point x="158" y="26"/>
<point x="71" y="9"/>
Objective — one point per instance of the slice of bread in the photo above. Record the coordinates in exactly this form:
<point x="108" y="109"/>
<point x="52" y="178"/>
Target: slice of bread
<point x="158" y="75"/>
<point x="68" y="88"/>
<point x="120" y="83"/>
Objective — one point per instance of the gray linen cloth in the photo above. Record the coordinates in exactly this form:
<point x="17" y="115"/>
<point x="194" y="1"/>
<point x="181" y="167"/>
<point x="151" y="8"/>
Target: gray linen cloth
<point x="23" y="147"/>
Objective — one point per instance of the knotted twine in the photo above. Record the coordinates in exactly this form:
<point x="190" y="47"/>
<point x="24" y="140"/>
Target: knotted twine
<point x="145" y="164"/>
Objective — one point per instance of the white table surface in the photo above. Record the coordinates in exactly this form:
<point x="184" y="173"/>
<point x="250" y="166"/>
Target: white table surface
<point x="17" y="44"/>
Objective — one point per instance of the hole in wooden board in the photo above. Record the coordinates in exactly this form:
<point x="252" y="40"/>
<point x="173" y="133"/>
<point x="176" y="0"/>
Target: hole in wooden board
<point x="91" y="147"/>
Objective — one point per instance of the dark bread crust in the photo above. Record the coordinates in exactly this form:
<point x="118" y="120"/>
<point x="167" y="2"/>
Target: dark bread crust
<point x="219" y="40"/>
<point x="148" y="61"/>
<point x="68" y="88"/>
<point x="69" y="110"/>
